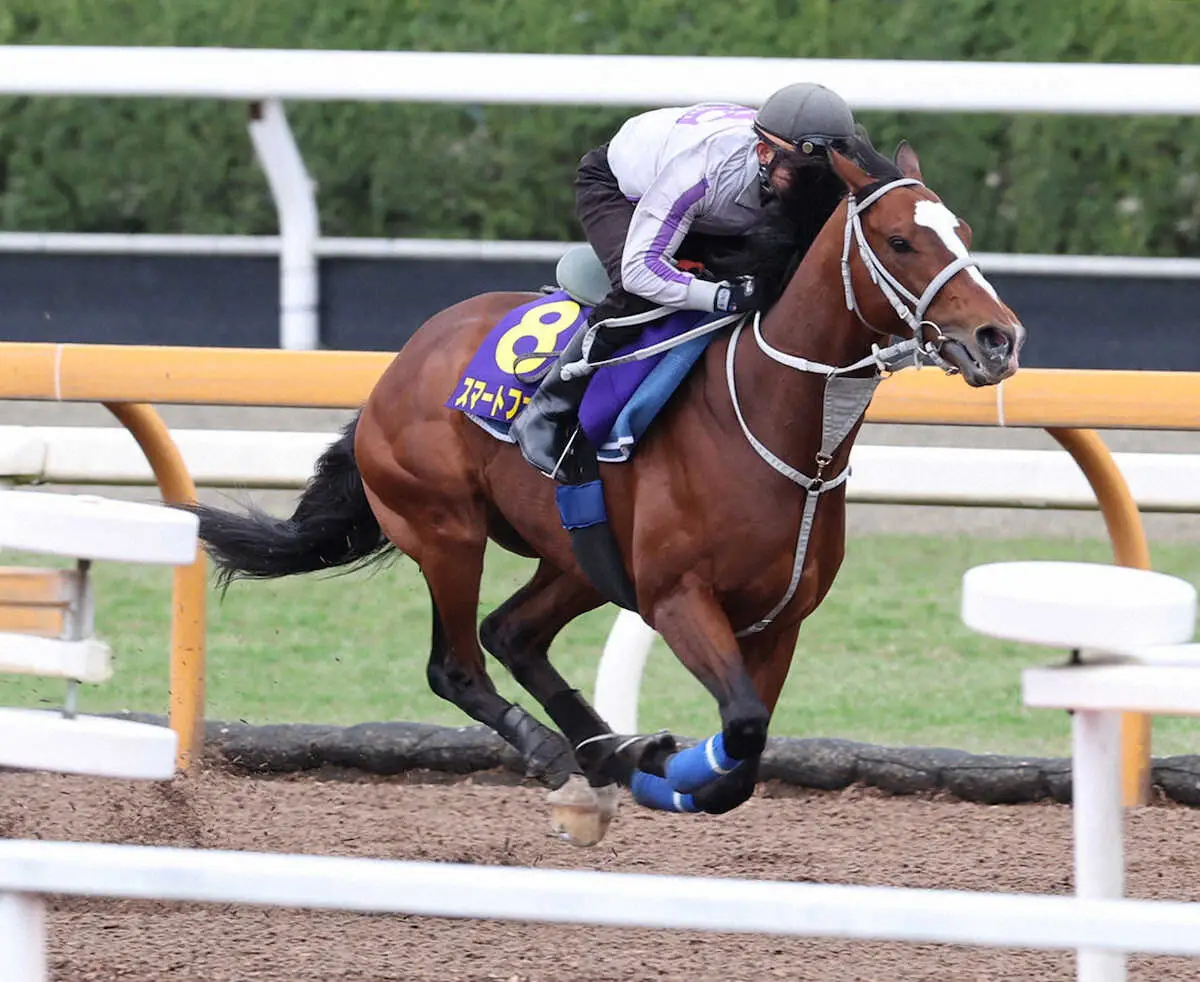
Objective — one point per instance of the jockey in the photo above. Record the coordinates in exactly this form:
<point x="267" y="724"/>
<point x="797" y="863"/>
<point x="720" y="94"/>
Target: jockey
<point x="708" y="169"/>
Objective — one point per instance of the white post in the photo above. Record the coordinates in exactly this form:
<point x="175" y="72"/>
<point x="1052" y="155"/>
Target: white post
<point x="299" y="225"/>
<point x="22" y="938"/>
<point x="1098" y="816"/>
<point x="619" y="674"/>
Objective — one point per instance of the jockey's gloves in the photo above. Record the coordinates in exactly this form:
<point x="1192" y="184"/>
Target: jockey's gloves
<point x="737" y="296"/>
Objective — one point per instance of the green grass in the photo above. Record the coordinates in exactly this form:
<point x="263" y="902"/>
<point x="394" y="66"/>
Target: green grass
<point x="885" y="659"/>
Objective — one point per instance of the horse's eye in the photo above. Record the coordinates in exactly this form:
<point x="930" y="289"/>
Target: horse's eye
<point x="900" y="244"/>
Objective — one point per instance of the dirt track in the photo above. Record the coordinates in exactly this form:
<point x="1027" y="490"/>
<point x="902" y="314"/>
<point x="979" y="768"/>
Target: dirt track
<point x="853" y="837"/>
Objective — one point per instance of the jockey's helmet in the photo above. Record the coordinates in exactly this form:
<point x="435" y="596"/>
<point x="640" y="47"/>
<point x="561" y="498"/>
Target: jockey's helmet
<point x="805" y="117"/>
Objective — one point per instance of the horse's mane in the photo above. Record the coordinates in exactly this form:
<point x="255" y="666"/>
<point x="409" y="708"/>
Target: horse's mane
<point x="792" y="219"/>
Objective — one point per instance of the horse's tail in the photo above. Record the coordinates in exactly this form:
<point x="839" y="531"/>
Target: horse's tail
<point x="332" y="526"/>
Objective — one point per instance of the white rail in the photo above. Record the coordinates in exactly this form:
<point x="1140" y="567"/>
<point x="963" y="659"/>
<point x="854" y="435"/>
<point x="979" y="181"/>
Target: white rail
<point x="1103" y="615"/>
<point x="628" y="80"/>
<point x="587" y="897"/>
<point x="1006" y="601"/>
<point x="299" y="225"/>
<point x="489" y="250"/>
<point x="884" y="475"/>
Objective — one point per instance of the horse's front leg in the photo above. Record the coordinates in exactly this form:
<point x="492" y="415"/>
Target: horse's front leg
<point x="768" y="656"/>
<point x="718" y="774"/>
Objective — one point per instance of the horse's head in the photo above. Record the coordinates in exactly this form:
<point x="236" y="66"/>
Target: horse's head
<point x="914" y="275"/>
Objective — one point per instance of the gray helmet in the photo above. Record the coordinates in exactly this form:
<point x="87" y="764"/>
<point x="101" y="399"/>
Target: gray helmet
<point x="805" y="116"/>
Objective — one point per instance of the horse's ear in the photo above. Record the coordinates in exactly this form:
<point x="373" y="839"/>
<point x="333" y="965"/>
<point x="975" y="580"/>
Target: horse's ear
<point x="855" y="177"/>
<point x="906" y="160"/>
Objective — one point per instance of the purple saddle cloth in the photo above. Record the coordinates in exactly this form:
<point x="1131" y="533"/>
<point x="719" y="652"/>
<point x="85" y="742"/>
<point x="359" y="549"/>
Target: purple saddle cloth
<point x="620" y="401"/>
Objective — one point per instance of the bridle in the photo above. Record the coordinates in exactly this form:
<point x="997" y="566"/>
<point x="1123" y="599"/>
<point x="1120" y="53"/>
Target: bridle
<point x="908" y="307"/>
<point x="846" y="398"/>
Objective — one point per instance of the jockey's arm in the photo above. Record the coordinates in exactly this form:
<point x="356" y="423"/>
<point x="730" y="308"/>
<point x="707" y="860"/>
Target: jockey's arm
<point x="660" y="222"/>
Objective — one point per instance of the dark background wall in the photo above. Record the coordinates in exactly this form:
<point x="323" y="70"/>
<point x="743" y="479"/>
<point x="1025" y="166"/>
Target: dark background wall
<point x="1073" y="321"/>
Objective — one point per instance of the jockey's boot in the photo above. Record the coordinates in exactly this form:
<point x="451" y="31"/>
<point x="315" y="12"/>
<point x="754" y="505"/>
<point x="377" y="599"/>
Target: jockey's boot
<point x="545" y="428"/>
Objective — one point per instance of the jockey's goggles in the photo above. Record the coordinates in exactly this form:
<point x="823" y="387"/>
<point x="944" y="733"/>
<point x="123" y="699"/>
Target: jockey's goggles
<point x="808" y="144"/>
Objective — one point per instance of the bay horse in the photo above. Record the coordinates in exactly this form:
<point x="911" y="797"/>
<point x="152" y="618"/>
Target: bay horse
<point x="715" y="516"/>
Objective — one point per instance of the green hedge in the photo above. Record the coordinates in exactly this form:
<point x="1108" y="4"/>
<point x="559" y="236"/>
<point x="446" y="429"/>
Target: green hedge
<point x="1119" y="185"/>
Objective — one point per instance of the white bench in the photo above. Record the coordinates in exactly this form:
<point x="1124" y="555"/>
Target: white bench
<point x="1129" y="632"/>
<point x="86" y="528"/>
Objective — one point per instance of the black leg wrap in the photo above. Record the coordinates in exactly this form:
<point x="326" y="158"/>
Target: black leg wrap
<point x="580" y="723"/>
<point x="574" y="716"/>
<point x="652" y="753"/>
<point x="547" y="755"/>
<point x="744" y="719"/>
<point x="728" y="791"/>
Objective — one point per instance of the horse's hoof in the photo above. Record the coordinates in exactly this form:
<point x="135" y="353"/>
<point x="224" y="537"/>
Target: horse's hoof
<point x="609" y="797"/>
<point x="580" y="813"/>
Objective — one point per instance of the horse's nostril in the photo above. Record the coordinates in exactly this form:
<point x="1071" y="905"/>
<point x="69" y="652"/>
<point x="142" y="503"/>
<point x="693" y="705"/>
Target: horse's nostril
<point x="993" y="342"/>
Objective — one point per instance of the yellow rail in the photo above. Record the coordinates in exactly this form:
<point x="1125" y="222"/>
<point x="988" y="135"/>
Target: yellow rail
<point x="203" y="376"/>
<point x="1043" y="397"/>
<point x="343" y="379"/>
<point x="1130" y="548"/>
<point x="1067" y="403"/>
<point x="188" y="622"/>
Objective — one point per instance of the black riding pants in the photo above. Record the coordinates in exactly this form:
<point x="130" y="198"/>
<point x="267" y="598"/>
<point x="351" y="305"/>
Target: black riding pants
<point x="605" y="214"/>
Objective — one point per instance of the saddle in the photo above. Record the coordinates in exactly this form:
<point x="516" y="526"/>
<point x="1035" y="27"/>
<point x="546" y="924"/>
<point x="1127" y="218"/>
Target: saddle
<point x="581" y="274"/>
<point x="621" y="401"/>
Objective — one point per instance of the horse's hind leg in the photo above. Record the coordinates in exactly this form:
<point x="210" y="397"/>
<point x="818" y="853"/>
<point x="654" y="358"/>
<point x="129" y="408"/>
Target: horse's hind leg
<point x="519" y="633"/>
<point x="456" y="671"/>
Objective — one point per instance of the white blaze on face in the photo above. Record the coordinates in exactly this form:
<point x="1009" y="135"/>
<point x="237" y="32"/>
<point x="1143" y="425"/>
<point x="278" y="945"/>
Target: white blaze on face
<point x="935" y="215"/>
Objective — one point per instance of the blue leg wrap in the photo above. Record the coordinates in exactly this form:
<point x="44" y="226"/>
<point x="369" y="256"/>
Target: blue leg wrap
<point x="652" y="791"/>
<point x="691" y="769"/>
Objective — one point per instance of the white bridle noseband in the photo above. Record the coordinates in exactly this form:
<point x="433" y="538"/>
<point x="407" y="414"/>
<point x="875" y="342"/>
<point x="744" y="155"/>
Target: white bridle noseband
<point x="908" y="307"/>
